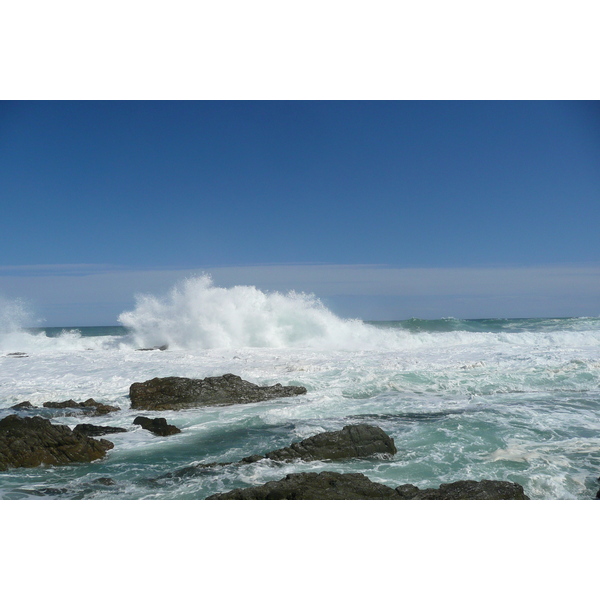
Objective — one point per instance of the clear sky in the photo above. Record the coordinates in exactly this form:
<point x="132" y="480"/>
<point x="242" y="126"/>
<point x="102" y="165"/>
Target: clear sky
<point x="384" y="209"/>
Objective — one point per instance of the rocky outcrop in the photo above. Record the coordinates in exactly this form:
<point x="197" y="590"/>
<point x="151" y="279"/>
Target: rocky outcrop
<point x="353" y="441"/>
<point x="94" y="408"/>
<point x="465" y="490"/>
<point x="97" y="430"/>
<point x="314" y="486"/>
<point x="157" y="426"/>
<point x="355" y="486"/>
<point x="34" y="441"/>
<point x="175" y="393"/>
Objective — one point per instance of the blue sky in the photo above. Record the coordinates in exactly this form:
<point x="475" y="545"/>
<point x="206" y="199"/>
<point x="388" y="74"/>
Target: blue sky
<point x="384" y="209"/>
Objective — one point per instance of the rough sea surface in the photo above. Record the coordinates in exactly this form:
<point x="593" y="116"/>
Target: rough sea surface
<point x="510" y="399"/>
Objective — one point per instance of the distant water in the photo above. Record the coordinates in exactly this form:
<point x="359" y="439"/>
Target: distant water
<point x="512" y="399"/>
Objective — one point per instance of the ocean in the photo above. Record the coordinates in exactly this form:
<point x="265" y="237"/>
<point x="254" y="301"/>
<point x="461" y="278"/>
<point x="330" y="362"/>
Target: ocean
<point x="509" y="399"/>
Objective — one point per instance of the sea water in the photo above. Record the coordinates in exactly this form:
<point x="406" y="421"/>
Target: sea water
<point x="509" y="399"/>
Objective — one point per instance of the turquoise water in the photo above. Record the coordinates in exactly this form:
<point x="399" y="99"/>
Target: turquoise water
<point x="511" y="399"/>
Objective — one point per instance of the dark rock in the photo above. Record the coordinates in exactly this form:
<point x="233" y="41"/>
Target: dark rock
<point x="95" y="409"/>
<point x="104" y="481"/>
<point x="466" y="490"/>
<point x="251" y="459"/>
<point x="314" y="486"/>
<point x="175" y="393"/>
<point x="163" y="347"/>
<point x="96" y="430"/>
<point x="34" y="441"/>
<point x="22" y="406"/>
<point x="65" y="404"/>
<point x="353" y="441"/>
<point x="157" y="426"/>
<point x="355" y="486"/>
<point x="46" y="491"/>
<point x="17" y="354"/>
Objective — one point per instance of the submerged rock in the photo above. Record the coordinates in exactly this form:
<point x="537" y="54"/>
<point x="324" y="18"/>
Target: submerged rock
<point x="95" y="408"/>
<point x="34" y="441"/>
<point x="96" y="430"/>
<point x="157" y="426"/>
<point x="108" y="481"/>
<point x="355" y="486"/>
<point x="175" y="393"/>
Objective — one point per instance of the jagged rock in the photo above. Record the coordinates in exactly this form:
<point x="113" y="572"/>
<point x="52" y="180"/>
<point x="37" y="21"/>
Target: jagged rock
<point x="157" y="426"/>
<point x="466" y="490"/>
<point x="34" y="441"/>
<point x="355" y="486"/>
<point x="98" y="408"/>
<point x="96" y="430"/>
<point x="353" y="441"/>
<point x="22" y="406"/>
<point x="314" y="486"/>
<point x="175" y="393"/>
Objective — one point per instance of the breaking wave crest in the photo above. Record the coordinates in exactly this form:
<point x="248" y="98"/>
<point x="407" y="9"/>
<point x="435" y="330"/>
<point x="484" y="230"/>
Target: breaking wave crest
<point x="198" y="315"/>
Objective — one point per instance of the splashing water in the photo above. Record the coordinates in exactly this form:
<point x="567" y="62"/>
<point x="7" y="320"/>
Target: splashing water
<point x="198" y="315"/>
<point x="14" y="315"/>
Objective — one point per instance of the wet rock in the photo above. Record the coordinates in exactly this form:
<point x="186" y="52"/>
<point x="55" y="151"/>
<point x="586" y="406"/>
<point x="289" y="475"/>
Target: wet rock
<point x="466" y="490"/>
<point x="95" y="409"/>
<point x="162" y="348"/>
<point x="46" y="491"/>
<point x="355" y="486"/>
<point x="108" y="481"/>
<point x="34" y="441"/>
<point x="175" y="393"/>
<point x="314" y="486"/>
<point x="97" y="430"/>
<point x="353" y="441"/>
<point x="22" y="406"/>
<point x="157" y="426"/>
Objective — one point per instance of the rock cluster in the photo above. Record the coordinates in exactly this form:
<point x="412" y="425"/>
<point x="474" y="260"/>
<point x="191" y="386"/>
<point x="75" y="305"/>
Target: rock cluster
<point x="94" y="408"/>
<point x="355" y="486"/>
<point x="34" y="441"/>
<point x="176" y="393"/>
